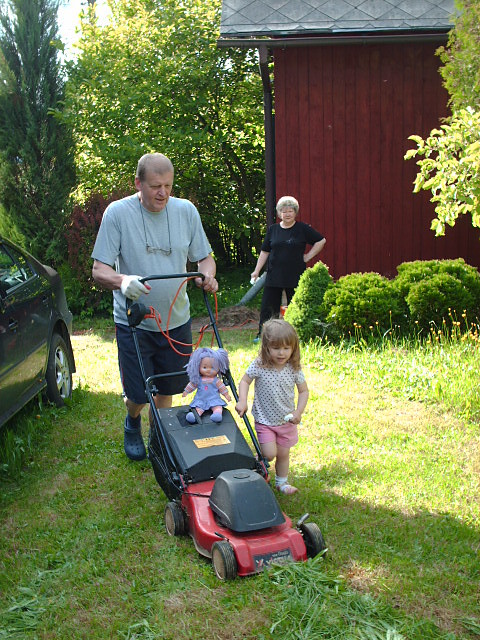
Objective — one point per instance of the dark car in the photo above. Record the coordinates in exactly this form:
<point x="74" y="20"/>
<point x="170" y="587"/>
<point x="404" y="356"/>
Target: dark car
<point x="35" y="324"/>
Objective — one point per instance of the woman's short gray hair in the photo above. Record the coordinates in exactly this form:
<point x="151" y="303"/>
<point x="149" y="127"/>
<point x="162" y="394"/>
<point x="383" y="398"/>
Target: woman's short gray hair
<point x="286" y="202"/>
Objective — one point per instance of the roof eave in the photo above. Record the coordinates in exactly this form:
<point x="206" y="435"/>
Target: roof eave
<point x="283" y="41"/>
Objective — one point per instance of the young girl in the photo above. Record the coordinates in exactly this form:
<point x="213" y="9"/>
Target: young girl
<point x="276" y="371"/>
<point x="203" y="368"/>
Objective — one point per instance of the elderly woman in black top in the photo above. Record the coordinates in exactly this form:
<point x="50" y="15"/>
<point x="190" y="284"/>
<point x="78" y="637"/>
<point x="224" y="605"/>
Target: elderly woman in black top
<point x="284" y="249"/>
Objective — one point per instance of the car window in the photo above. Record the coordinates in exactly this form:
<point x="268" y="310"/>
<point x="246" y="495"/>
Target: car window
<point x="14" y="269"/>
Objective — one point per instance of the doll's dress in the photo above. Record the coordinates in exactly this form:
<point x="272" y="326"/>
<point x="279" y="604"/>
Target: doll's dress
<point x="208" y="396"/>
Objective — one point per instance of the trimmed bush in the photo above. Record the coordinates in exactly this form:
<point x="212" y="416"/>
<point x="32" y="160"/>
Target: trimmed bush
<point x="437" y="290"/>
<point x="440" y="298"/>
<point x="361" y="301"/>
<point x="410" y="273"/>
<point x="425" y="294"/>
<point x="305" y="311"/>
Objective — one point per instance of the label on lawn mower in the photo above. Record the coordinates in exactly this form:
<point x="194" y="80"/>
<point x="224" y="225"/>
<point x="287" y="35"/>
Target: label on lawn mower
<point x="214" y="441"/>
<point x="264" y="560"/>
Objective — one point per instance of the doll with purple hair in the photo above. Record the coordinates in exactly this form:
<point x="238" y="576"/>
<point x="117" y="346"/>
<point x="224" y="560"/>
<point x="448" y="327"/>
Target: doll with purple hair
<point x="203" y="368"/>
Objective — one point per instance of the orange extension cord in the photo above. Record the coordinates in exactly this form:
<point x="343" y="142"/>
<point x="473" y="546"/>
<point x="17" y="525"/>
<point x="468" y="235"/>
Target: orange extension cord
<point x="171" y="341"/>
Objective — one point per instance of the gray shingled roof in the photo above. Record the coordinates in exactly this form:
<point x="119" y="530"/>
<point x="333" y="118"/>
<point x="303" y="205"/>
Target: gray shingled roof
<point x="242" y="18"/>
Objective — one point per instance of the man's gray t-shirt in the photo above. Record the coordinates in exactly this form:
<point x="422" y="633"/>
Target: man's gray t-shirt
<point x="122" y="240"/>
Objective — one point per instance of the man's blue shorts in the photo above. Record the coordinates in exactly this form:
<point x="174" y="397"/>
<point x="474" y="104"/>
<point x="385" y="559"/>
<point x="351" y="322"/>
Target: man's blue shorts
<point x="157" y="356"/>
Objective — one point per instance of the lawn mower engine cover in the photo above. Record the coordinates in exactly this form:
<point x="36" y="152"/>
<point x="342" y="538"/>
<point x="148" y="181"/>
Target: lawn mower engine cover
<point x="243" y="502"/>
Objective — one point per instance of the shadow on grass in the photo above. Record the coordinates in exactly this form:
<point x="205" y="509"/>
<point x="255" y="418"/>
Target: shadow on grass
<point x="425" y="562"/>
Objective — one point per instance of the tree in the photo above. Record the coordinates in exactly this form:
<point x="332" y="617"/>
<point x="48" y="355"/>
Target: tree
<point x="449" y="164"/>
<point x="461" y="57"/>
<point x="450" y="168"/>
<point x="154" y="80"/>
<point x="36" y="161"/>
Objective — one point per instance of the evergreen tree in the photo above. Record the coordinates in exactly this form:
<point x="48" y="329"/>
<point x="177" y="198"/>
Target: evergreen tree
<point x="36" y="157"/>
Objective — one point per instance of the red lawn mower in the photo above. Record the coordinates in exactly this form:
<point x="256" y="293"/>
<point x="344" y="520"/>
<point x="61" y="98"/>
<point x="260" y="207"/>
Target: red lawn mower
<point x="217" y="488"/>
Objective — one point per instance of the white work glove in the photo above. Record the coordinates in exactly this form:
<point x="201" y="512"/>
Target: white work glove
<point x="132" y="288"/>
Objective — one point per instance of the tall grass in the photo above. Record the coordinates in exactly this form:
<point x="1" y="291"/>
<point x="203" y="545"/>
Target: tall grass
<point x="438" y="368"/>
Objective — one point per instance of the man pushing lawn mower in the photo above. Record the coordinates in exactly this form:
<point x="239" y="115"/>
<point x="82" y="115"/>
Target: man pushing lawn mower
<point x="151" y="232"/>
<point x="216" y="484"/>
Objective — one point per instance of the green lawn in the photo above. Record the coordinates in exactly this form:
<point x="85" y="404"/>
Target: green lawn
<point x="388" y="466"/>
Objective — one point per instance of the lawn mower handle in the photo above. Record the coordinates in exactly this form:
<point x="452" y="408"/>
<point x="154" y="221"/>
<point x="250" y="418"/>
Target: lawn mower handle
<point x="191" y="274"/>
<point x="228" y="375"/>
<point x="171" y="276"/>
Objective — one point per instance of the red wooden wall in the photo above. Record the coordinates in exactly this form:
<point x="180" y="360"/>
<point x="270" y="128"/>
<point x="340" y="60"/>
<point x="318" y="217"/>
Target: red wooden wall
<point x="343" y="115"/>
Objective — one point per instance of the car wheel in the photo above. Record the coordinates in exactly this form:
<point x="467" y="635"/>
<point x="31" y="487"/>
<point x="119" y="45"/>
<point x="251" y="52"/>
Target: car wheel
<point x="312" y="536"/>
<point x="59" y="371"/>
<point x="224" y="561"/>
<point x="174" y="519"/>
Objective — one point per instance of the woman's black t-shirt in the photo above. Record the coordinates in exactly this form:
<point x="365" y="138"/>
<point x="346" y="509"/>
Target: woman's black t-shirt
<point x="286" y="248"/>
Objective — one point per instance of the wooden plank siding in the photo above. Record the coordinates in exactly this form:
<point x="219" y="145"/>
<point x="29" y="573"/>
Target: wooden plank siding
<point x="343" y="115"/>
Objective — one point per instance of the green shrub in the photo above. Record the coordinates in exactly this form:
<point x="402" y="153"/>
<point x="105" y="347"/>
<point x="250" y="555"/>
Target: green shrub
<point x="425" y="293"/>
<point x="366" y="301"/>
<point x="305" y="311"/>
<point x="440" y="298"/>
<point x="437" y="290"/>
<point x="410" y="273"/>
<point x="84" y="296"/>
<point x="468" y="276"/>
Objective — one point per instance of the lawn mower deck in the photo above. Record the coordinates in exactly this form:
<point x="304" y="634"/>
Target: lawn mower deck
<point x="234" y="517"/>
<point x="238" y="553"/>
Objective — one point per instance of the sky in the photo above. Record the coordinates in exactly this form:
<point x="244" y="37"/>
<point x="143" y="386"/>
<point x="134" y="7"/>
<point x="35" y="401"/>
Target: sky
<point x="68" y="20"/>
